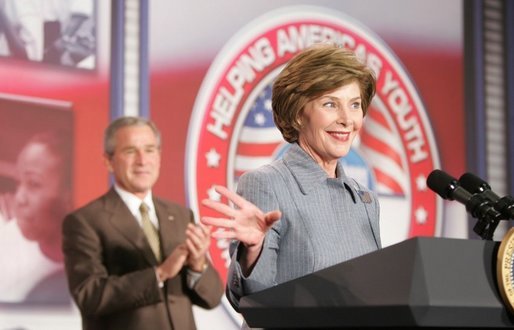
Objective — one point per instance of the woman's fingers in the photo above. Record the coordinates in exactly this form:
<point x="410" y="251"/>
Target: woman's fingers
<point x="220" y="207"/>
<point x="224" y="234"/>
<point x="218" y="222"/>
<point x="272" y="217"/>
<point x="232" y="196"/>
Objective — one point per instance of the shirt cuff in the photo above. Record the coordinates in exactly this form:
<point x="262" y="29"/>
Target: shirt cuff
<point x="159" y="282"/>
<point x="193" y="277"/>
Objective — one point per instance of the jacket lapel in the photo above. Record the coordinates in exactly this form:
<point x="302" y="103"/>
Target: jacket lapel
<point x="170" y="232"/>
<point x="123" y="221"/>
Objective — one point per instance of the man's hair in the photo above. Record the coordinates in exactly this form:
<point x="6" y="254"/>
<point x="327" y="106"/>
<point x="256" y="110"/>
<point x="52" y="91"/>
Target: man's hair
<point x="315" y="71"/>
<point x="114" y="126"/>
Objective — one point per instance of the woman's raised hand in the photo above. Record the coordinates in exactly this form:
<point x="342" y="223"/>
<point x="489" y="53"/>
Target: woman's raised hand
<point x="246" y="223"/>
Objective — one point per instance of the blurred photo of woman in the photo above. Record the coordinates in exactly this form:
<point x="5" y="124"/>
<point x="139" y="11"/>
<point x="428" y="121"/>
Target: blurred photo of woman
<point x="30" y="242"/>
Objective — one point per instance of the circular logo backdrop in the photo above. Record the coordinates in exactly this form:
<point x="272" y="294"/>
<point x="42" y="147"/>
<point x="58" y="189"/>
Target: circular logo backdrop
<point x="232" y="131"/>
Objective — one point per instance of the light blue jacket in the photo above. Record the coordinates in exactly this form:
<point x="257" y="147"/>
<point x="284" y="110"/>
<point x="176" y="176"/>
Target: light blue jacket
<point x="324" y="221"/>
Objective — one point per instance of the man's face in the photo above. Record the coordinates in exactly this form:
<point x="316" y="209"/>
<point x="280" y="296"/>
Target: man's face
<point x="136" y="161"/>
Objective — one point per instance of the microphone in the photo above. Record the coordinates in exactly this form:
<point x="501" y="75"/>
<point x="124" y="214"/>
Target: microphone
<point x="474" y="184"/>
<point x="447" y="187"/>
<point x="477" y="205"/>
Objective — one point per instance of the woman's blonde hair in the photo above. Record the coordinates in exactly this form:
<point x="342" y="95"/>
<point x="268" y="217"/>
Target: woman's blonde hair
<point x="315" y="71"/>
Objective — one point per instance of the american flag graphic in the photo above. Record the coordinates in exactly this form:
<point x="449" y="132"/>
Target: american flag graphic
<point x="260" y="140"/>
<point x="380" y="144"/>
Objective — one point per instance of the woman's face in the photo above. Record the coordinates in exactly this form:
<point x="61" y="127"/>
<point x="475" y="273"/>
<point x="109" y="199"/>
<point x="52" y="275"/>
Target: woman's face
<point x="40" y="199"/>
<point x="330" y="122"/>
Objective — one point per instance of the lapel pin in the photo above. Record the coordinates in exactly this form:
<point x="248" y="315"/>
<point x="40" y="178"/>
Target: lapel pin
<point x="365" y="196"/>
<point x="171" y="218"/>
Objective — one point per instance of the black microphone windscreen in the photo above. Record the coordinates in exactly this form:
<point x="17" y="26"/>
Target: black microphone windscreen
<point x="441" y="183"/>
<point x="473" y="183"/>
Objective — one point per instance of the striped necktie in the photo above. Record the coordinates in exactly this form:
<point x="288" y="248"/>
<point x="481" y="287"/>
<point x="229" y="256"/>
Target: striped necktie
<point x="152" y="234"/>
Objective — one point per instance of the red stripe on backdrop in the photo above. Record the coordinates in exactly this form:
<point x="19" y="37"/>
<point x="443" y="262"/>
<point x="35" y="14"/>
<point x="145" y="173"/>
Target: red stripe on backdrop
<point x="172" y="97"/>
<point x="382" y="147"/>
<point x="388" y="181"/>
<point x="378" y="117"/>
<point x="257" y="149"/>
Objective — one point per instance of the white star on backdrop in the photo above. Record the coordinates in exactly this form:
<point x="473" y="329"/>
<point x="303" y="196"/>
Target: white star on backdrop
<point x="260" y="119"/>
<point x="267" y="105"/>
<point x="213" y="194"/>
<point x="421" y="215"/>
<point x="213" y="158"/>
<point x="421" y="182"/>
